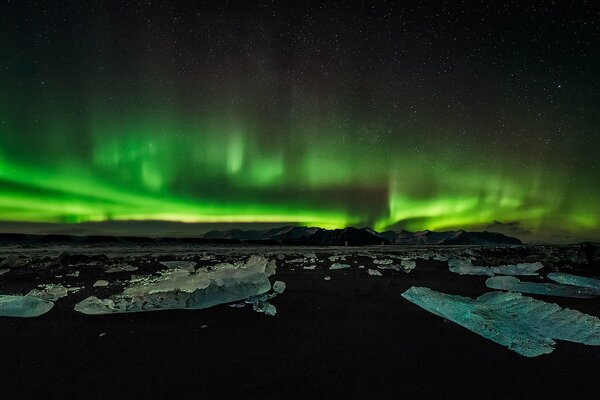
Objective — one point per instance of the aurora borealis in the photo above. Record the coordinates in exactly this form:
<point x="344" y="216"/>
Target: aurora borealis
<point x="387" y="115"/>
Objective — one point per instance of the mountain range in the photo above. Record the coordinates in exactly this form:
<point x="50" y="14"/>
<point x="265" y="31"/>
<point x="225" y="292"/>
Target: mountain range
<point x="362" y="236"/>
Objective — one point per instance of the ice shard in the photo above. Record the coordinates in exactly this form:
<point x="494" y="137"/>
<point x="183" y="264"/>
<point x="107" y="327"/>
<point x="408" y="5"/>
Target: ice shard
<point x="279" y="286"/>
<point x="49" y="292"/>
<point x="575" y="280"/>
<point x="186" y="265"/>
<point x="408" y="265"/>
<point x="374" y="272"/>
<point x="524" y="325"/>
<point x="180" y="289"/>
<point x="513" y="284"/>
<point x="464" y="266"/>
<point x="23" y="306"/>
<point x="339" y="266"/>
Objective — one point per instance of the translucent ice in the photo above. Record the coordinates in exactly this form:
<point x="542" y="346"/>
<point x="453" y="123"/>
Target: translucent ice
<point x="408" y="265"/>
<point x="121" y="268"/>
<point x="49" y="292"/>
<point x="339" y="266"/>
<point x="374" y="272"/>
<point x="23" y="306"/>
<point x="180" y="289"/>
<point x="550" y="289"/>
<point x="575" y="280"/>
<point x="525" y="325"/>
<point x="279" y="286"/>
<point x="464" y="266"/>
<point x="386" y="261"/>
<point x="186" y="265"/>
<point x="101" y="283"/>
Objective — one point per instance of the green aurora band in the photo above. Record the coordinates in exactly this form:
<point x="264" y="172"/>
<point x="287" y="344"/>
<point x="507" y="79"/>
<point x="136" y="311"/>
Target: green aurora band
<point x="211" y="172"/>
<point x="91" y="134"/>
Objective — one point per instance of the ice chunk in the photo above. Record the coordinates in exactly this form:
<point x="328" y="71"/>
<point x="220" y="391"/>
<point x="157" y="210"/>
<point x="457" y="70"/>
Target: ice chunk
<point x="23" y="306"/>
<point x="386" y="261"/>
<point x="550" y="289"/>
<point x="296" y="261"/>
<point x="408" y="265"/>
<point x="327" y="278"/>
<point x="101" y="283"/>
<point x="525" y="325"/>
<point x="374" y="272"/>
<point x="264" y="307"/>
<point x="575" y="280"/>
<point x="121" y="268"/>
<point x="519" y="269"/>
<point x="49" y="292"/>
<point x="310" y="267"/>
<point x="339" y="266"/>
<point x="179" y="289"/>
<point x="185" y="265"/>
<point x="464" y="266"/>
<point x="4" y="271"/>
<point x="279" y="286"/>
<point x="74" y="274"/>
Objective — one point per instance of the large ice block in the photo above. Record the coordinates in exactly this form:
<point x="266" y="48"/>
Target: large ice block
<point x="575" y="280"/>
<point x="550" y="289"/>
<point x="180" y="289"/>
<point x="525" y="325"/>
<point x="23" y="306"/>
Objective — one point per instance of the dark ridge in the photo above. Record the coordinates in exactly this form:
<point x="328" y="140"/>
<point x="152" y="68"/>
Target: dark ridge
<point x="286" y="235"/>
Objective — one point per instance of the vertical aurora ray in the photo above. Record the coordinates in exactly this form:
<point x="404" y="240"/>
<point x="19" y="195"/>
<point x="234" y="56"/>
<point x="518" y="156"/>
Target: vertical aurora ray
<point x="106" y="119"/>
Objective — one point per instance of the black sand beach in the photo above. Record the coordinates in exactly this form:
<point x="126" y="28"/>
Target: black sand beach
<point x="353" y="336"/>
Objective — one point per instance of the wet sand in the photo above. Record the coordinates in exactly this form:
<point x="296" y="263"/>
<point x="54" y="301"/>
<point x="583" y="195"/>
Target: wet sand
<point x="353" y="336"/>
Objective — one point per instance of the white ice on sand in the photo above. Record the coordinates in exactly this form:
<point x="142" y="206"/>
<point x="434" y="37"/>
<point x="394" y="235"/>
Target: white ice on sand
<point x="121" y="268"/>
<point x="186" y="265"/>
<point x="339" y="266"/>
<point x="49" y="292"/>
<point x="525" y="325"/>
<point x="279" y="286"/>
<point x="513" y="284"/>
<point x="463" y="266"/>
<point x="180" y="289"/>
<point x="23" y="306"/>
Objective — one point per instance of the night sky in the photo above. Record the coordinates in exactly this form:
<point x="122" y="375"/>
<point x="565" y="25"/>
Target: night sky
<point x="472" y="115"/>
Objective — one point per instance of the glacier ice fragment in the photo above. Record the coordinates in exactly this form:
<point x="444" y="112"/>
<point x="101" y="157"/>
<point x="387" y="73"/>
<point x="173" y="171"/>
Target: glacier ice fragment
<point x="121" y="268"/>
<point x="386" y="261"/>
<point x="4" y="271"/>
<point x="186" y="265"/>
<point x="339" y="266"/>
<point x="180" y="289"/>
<point x="464" y="266"/>
<point x="523" y="324"/>
<point x="279" y="286"/>
<point x="23" y="306"/>
<point x="49" y="292"/>
<point x="575" y="280"/>
<point x="374" y="272"/>
<point x="101" y="283"/>
<point x="408" y="265"/>
<point x="550" y="289"/>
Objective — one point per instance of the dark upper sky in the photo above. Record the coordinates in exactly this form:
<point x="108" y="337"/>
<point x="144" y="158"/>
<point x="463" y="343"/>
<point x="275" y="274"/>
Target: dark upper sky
<point x="442" y="116"/>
